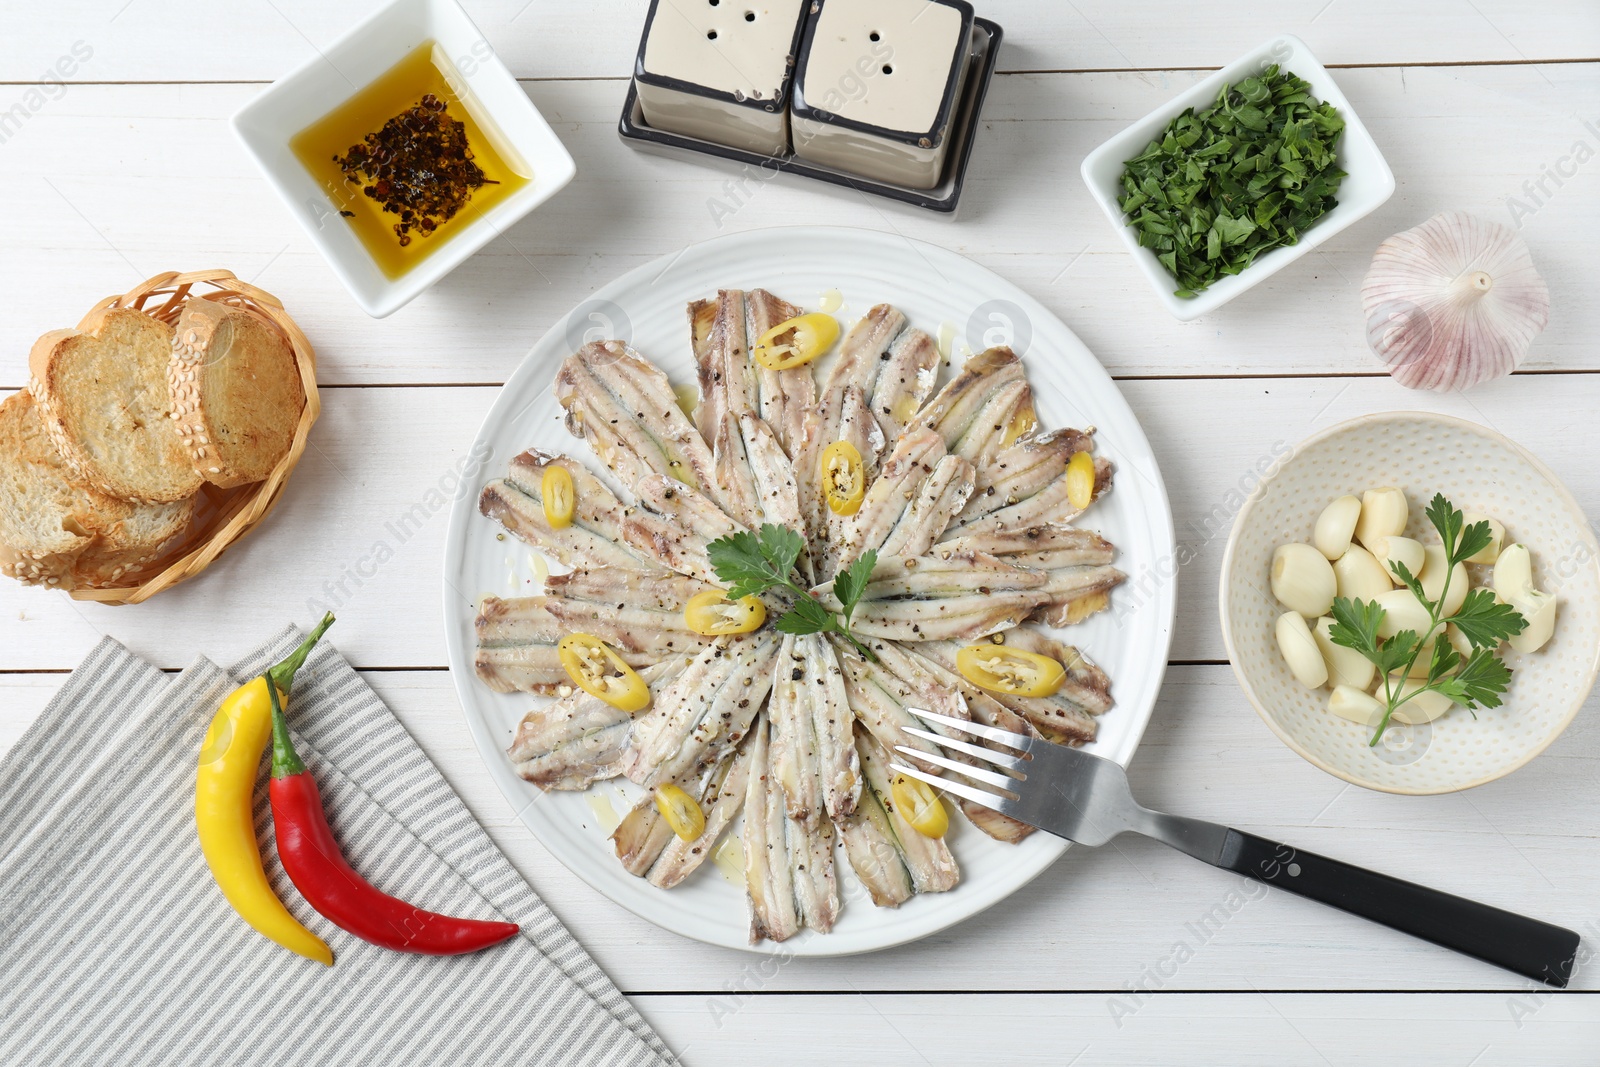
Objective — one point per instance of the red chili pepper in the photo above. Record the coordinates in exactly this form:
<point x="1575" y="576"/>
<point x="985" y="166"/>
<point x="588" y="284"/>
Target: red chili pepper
<point x="318" y="869"/>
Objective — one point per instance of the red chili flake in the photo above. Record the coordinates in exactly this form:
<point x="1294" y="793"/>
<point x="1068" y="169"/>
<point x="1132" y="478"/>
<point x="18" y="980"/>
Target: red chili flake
<point x="418" y="167"/>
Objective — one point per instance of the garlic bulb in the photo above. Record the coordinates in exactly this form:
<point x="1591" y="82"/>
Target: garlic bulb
<point x="1453" y="302"/>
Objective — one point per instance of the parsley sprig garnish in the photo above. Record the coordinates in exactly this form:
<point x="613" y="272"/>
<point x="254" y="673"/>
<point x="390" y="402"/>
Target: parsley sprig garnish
<point x="750" y="564"/>
<point x="1476" y="682"/>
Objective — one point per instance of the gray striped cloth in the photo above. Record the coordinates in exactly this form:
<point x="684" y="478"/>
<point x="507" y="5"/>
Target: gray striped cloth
<point x="116" y="947"/>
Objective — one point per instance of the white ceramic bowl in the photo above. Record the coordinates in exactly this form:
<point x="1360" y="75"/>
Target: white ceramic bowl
<point x="266" y="124"/>
<point x="1368" y="185"/>
<point x="1477" y="470"/>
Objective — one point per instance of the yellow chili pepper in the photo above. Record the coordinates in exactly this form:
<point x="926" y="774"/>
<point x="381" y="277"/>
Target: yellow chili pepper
<point x="796" y="342"/>
<point x="711" y="614"/>
<point x="230" y="758"/>
<point x="681" y="811"/>
<point x="844" y="478"/>
<point x="1080" y="480"/>
<point x="559" y="496"/>
<point x="595" y="668"/>
<point x="919" y="805"/>
<point x="1010" y="670"/>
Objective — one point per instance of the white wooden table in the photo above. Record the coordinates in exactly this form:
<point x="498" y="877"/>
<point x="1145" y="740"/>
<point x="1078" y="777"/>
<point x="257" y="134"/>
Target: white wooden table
<point x="128" y="168"/>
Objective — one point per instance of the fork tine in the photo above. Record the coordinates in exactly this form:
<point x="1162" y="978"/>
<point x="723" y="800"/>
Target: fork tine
<point x="999" y="759"/>
<point x="977" y="729"/>
<point x="1003" y="805"/>
<point x="994" y="778"/>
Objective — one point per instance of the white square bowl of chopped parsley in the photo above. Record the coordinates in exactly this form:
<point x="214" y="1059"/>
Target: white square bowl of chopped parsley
<point x="1238" y="177"/>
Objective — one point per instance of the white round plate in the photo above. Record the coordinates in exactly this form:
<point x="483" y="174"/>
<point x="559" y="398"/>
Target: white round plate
<point x="1477" y="470"/>
<point x="938" y="290"/>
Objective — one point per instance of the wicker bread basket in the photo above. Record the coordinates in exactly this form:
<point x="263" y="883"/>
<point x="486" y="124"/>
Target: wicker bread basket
<point x="222" y="516"/>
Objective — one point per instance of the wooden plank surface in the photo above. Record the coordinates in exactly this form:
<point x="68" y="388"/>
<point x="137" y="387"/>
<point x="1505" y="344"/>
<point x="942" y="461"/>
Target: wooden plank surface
<point x="167" y="188"/>
<point x="132" y="169"/>
<point x="1242" y="1030"/>
<point x="146" y="40"/>
<point x="1098" y="919"/>
<point x="379" y="452"/>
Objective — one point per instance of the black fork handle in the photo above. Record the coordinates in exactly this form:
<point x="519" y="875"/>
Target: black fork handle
<point x="1531" y="948"/>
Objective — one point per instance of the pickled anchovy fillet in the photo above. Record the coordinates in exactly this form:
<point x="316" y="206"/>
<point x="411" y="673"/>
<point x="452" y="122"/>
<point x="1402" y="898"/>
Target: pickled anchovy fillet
<point x="932" y="598"/>
<point x="594" y="539"/>
<point x="644" y="837"/>
<point x="874" y="854"/>
<point x="517" y="639"/>
<point x="883" y="372"/>
<point x="931" y="685"/>
<point x="789" y="875"/>
<point x="506" y="622"/>
<point x="910" y="502"/>
<point x="1078" y="563"/>
<point x="984" y="408"/>
<point x="721" y="804"/>
<point x="625" y="408"/>
<point x="1066" y="717"/>
<point x="579" y="739"/>
<point x="927" y="860"/>
<point x="785" y="395"/>
<point x="673" y="524"/>
<point x="660" y="592"/>
<point x="704" y="712"/>
<point x="813" y="755"/>
<point x="1025" y="485"/>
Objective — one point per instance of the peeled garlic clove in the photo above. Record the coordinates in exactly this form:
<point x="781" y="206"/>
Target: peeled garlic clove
<point x="1424" y="707"/>
<point x="1432" y="579"/>
<point x="1454" y="302"/>
<point x="1300" y="650"/>
<point x="1336" y="525"/>
<point x="1402" y="611"/>
<point x="1497" y="534"/>
<point x="1383" y="514"/>
<point x="1348" y="702"/>
<point x="1539" y="609"/>
<point x="1513" y="572"/>
<point x="1391" y="550"/>
<point x="1458" y="641"/>
<point x="1346" y="666"/>
<point x="1359" y="575"/>
<point x="1302" y="580"/>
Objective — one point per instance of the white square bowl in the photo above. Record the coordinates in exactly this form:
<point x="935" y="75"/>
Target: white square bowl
<point x="1369" y="181"/>
<point x="295" y="101"/>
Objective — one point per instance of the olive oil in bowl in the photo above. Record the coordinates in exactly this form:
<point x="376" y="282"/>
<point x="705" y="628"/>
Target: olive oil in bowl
<point x="410" y="160"/>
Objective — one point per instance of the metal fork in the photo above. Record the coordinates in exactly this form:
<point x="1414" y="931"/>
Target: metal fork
<point x="1086" y="799"/>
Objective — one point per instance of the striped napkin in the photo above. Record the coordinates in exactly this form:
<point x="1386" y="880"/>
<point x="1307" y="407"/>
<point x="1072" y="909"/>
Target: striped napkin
<point x="117" y="947"/>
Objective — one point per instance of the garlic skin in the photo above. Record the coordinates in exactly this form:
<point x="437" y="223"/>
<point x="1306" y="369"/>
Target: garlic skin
<point x="1452" y="303"/>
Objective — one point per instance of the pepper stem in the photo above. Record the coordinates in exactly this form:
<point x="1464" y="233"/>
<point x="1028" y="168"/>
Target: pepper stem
<point x="282" y="675"/>
<point x="285" y="760"/>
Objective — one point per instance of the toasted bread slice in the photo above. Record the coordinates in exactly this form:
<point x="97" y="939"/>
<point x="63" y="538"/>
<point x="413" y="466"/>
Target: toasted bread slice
<point x="56" y="531"/>
<point x="235" y="390"/>
<point x="102" y="391"/>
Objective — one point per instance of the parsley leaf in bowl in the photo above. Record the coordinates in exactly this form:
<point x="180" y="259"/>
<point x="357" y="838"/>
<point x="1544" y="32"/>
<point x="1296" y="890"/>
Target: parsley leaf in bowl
<point x="1250" y="174"/>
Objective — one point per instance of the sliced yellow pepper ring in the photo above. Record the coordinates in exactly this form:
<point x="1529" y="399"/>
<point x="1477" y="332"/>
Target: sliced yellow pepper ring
<point x="844" y="478"/>
<point x="1080" y="480"/>
<point x="711" y="614"/>
<point x="600" y="672"/>
<point x="919" y="805"/>
<point x="796" y="342"/>
<point x="1010" y="670"/>
<point x="681" y="811"/>
<point x="559" y="496"/>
